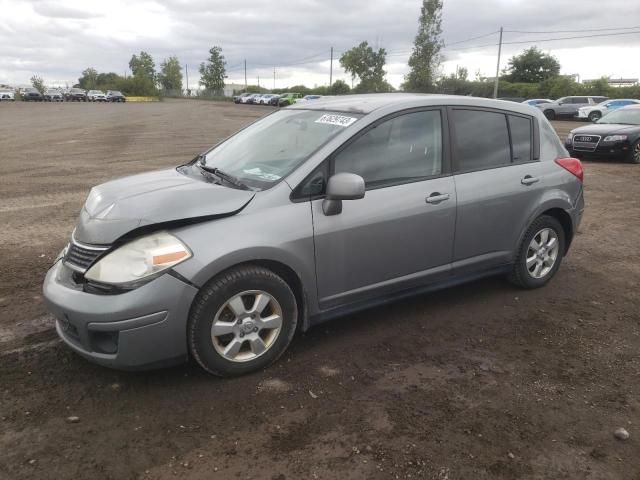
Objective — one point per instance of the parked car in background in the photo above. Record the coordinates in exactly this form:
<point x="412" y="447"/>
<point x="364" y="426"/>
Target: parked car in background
<point x="7" y="95"/>
<point x="596" y="112"/>
<point x="254" y="98"/>
<point x="96" y="96"/>
<point x="248" y="99"/>
<point x="266" y="99"/>
<point x="238" y="98"/>
<point x="115" y="96"/>
<point x="76" y="95"/>
<point x="307" y="98"/>
<point x="537" y="101"/>
<point x="287" y="99"/>
<point x="275" y="99"/>
<point x="616" y="135"/>
<point x="317" y="211"/>
<point x="568" y="106"/>
<point x="53" y="95"/>
<point x="31" y="95"/>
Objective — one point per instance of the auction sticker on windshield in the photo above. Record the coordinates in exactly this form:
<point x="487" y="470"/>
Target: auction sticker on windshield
<point x="340" y="120"/>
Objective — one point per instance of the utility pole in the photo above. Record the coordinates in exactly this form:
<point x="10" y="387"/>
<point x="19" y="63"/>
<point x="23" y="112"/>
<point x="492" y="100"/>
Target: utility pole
<point x="258" y="82"/>
<point x="245" y="75"/>
<point x="331" y="69"/>
<point x="274" y="78"/>
<point x="186" y="72"/>
<point x="495" y="85"/>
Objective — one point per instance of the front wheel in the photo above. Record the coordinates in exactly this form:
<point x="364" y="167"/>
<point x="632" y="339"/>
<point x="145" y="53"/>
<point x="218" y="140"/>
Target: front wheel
<point x="242" y="321"/>
<point x="540" y="253"/>
<point x="634" y="154"/>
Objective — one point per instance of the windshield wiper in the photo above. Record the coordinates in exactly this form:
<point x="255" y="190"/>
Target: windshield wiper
<point x="227" y="177"/>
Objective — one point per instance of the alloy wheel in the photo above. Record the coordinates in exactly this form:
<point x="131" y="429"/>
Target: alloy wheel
<point x="246" y="326"/>
<point x="542" y="253"/>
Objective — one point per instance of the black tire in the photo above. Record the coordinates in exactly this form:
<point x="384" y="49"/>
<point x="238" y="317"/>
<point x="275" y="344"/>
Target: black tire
<point x="212" y="298"/>
<point x="634" y="154"/>
<point x="520" y="275"/>
<point x="595" y="116"/>
<point x="550" y="114"/>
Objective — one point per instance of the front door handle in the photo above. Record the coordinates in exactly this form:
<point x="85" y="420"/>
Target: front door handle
<point x="437" y="197"/>
<point x="529" y="180"/>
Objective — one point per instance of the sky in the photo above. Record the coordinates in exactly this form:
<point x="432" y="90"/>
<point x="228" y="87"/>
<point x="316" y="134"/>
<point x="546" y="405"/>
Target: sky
<point x="57" y="39"/>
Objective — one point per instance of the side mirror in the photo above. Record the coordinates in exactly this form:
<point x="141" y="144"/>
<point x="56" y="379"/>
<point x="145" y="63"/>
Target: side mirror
<point x="342" y="186"/>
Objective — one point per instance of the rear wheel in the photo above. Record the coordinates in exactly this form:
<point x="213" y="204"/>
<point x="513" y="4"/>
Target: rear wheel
<point x="242" y="321"/>
<point x="540" y="253"/>
<point x="550" y="114"/>
<point x="595" y="116"/>
<point x="634" y="154"/>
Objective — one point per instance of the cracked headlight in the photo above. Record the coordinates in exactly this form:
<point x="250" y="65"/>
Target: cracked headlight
<point x="139" y="259"/>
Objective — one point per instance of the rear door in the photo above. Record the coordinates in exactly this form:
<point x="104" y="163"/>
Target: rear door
<point x="498" y="179"/>
<point x="400" y="235"/>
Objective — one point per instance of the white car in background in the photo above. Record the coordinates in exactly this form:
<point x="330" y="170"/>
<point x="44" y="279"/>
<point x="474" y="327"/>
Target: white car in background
<point x="596" y="112"/>
<point x="7" y="95"/>
<point x="96" y="96"/>
<point x="265" y="99"/>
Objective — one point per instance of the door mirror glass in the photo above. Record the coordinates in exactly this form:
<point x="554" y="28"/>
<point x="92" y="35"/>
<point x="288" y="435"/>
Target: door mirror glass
<point x="342" y="186"/>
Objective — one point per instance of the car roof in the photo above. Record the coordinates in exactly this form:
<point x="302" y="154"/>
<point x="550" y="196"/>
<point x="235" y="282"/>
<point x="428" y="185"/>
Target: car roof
<point x="367" y="103"/>
<point x="632" y="106"/>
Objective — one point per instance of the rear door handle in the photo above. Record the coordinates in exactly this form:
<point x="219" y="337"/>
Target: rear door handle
<point x="529" y="180"/>
<point x="437" y="197"/>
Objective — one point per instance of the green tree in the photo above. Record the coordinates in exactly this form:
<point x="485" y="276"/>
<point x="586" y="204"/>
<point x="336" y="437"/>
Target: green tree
<point x="426" y="58"/>
<point x="367" y="65"/>
<point x="38" y="83"/>
<point x="170" y="76"/>
<point x="213" y="71"/>
<point x="143" y="65"/>
<point x="532" y="66"/>
<point x="89" y="79"/>
<point x="339" y="87"/>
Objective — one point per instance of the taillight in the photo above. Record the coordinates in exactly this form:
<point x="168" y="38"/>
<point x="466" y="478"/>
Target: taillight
<point x="573" y="166"/>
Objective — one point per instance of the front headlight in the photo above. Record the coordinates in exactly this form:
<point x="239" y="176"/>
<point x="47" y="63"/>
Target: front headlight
<point x="570" y="137"/>
<point x="139" y="259"/>
<point x="614" y="138"/>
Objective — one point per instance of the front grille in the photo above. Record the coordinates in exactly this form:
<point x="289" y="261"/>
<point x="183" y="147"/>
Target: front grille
<point x="586" y="143"/>
<point x="80" y="257"/>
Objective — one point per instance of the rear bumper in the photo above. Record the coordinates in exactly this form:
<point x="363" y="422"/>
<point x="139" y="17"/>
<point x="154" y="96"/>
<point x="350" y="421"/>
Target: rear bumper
<point x="140" y="329"/>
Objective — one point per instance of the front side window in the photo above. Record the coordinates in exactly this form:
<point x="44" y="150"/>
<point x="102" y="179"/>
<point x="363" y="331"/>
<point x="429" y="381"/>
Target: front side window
<point x="481" y="139"/>
<point x="404" y="148"/>
<point x="271" y="148"/>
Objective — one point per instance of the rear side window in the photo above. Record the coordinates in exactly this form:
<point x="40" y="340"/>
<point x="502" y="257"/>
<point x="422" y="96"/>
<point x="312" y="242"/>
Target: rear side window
<point x="580" y="100"/>
<point x="481" y="139"/>
<point x="520" y="128"/>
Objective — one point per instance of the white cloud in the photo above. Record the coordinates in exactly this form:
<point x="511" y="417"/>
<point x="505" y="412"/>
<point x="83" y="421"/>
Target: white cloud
<point x="63" y="37"/>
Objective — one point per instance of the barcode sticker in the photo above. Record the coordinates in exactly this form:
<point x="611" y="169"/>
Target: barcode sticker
<point x="340" y="120"/>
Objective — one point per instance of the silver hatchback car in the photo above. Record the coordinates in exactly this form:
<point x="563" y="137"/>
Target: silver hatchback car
<point x="310" y="213"/>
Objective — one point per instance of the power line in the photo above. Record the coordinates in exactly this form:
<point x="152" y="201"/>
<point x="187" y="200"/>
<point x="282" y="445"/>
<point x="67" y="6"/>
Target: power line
<point x="539" y="40"/>
<point x="472" y="38"/>
<point x="576" y="31"/>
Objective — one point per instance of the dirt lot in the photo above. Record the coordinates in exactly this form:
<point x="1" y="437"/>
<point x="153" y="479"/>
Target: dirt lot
<point x="479" y="381"/>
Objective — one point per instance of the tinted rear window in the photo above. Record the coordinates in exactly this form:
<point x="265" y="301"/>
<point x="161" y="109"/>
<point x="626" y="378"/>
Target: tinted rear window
<point x="520" y="128"/>
<point x="481" y="139"/>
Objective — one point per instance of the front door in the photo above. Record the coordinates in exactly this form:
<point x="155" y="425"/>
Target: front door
<point x="400" y="235"/>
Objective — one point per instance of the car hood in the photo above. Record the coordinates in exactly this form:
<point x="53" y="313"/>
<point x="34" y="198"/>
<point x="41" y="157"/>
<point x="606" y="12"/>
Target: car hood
<point x="604" y="129"/>
<point x="115" y="208"/>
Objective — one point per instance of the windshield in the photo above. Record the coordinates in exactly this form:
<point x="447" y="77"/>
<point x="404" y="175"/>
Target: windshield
<point x="625" y="116"/>
<point x="271" y="148"/>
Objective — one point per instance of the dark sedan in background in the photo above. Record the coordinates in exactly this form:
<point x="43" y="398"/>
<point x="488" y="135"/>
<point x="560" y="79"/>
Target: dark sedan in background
<point x="76" y="95"/>
<point x="614" y="135"/>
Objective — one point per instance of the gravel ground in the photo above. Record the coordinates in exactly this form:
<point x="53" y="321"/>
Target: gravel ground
<point x="479" y="381"/>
